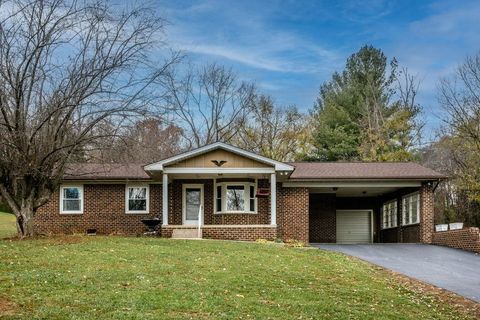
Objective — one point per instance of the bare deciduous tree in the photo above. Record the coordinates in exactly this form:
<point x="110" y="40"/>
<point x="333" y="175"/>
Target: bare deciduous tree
<point x="459" y="96"/>
<point x="209" y="104"/>
<point x="67" y="68"/>
<point x="277" y="133"/>
<point x="147" y="141"/>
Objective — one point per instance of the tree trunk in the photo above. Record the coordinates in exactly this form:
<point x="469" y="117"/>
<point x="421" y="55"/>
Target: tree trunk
<point x="25" y="219"/>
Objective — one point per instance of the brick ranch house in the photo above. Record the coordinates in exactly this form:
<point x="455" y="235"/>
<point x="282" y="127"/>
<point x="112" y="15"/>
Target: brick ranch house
<point x="230" y="193"/>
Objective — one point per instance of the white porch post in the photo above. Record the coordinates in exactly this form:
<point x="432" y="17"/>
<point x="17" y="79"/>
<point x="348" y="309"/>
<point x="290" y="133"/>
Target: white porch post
<point x="165" y="200"/>
<point x="273" y="199"/>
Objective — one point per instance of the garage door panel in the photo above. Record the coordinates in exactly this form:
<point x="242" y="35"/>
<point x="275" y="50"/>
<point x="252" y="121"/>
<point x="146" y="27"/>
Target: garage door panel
<point x="353" y="226"/>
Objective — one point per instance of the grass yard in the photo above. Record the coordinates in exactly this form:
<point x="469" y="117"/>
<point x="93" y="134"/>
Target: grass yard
<point x="80" y="277"/>
<point x="7" y="225"/>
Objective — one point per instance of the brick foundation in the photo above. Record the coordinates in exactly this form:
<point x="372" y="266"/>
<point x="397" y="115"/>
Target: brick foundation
<point x="233" y="232"/>
<point x="466" y="239"/>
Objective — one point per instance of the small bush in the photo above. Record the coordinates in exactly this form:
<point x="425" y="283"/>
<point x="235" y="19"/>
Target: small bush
<point x="294" y="243"/>
<point x="264" y="241"/>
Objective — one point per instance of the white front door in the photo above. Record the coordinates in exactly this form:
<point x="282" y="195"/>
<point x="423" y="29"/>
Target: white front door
<point x="192" y="203"/>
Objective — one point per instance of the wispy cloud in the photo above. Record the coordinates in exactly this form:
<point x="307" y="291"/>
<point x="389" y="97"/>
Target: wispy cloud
<point x="248" y="38"/>
<point x="271" y="57"/>
<point x="290" y="47"/>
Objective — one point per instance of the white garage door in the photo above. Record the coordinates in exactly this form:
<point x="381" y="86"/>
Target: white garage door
<point x="354" y="226"/>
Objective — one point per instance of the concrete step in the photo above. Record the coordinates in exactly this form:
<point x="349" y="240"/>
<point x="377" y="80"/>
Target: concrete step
<point x="186" y="234"/>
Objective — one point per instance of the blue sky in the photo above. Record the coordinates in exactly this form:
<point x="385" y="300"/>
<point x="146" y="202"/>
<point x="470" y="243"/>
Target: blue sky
<point x="290" y="47"/>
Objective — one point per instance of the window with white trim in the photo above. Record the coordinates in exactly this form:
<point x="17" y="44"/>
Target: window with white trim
<point x="389" y="214"/>
<point x="136" y="199"/>
<point x="411" y="209"/>
<point x="235" y="197"/>
<point x="71" y="199"/>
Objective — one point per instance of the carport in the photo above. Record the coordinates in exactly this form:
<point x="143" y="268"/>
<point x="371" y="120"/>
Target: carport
<point x="367" y="202"/>
<point x="352" y="213"/>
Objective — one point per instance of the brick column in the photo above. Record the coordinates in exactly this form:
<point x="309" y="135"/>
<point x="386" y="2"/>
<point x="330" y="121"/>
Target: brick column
<point x="292" y="213"/>
<point x="426" y="213"/>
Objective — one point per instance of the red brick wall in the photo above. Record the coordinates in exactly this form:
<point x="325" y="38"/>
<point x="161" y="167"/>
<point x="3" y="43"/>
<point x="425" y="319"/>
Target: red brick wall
<point x="389" y="235"/>
<point x="241" y="233"/>
<point x="410" y="234"/>
<point x="322" y="217"/>
<point x="104" y="210"/>
<point x="466" y="239"/>
<point x="292" y="213"/>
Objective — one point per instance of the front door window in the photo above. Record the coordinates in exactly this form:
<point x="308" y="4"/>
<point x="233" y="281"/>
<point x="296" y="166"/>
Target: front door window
<point x="192" y="204"/>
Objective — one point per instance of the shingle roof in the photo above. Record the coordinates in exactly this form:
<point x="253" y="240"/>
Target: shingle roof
<point x="303" y="171"/>
<point x="110" y="171"/>
<point x="362" y="170"/>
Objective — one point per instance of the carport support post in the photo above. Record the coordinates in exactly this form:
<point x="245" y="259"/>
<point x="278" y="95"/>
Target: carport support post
<point x="273" y="199"/>
<point x="165" y="199"/>
<point x="426" y="213"/>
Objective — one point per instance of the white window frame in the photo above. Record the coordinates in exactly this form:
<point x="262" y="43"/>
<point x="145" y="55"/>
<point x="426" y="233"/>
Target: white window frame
<point x="78" y="186"/>
<point x="394" y="222"/>
<point x="147" y="195"/>
<point x="404" y="202"/>
<point x="246" y="197"/>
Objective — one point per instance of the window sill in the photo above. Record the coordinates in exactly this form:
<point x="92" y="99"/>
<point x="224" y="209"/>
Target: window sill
<point x="137" y="212"/>
<point x="236" y="212"/>
<point x="71" y="212"/>
<point x="411" y="224"/>
<point x="388" y="228"/>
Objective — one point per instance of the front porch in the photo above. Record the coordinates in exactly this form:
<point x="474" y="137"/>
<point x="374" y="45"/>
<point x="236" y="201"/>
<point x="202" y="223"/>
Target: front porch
<point x="219" y="208"/>
<point x="220" y="192"/>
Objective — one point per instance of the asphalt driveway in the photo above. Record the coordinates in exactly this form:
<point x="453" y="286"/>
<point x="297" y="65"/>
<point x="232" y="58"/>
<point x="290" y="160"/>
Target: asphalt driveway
<point x="451" y="269"/>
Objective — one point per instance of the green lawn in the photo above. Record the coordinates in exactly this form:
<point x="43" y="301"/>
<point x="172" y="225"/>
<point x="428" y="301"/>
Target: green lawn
<point x="7" y="225"/>
<point x="80" y="277"/>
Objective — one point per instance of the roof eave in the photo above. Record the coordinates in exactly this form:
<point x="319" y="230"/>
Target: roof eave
<point x="333" y="179"/>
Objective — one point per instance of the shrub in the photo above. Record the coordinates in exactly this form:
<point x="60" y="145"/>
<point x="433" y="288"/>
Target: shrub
<point x="294" y="243"/>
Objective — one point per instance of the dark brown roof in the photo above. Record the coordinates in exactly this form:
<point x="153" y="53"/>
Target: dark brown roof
<point x="303" y="171"/>
<point x="110" y="171"/>
<point x="362" y="170"/>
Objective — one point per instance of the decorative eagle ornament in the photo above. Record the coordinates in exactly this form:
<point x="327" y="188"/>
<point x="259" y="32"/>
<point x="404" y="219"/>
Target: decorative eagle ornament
<point x="219" y="163"/>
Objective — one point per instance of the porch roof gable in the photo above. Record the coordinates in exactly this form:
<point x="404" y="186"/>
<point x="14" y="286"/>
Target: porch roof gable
<point x="160" y="165"/>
